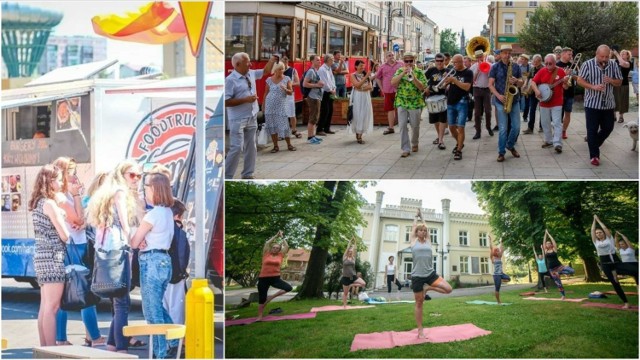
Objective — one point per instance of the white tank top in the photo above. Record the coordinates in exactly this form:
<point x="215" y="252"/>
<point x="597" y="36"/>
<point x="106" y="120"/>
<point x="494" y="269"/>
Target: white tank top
<point x="628" y="255"/>
<point x="391" y="269"/>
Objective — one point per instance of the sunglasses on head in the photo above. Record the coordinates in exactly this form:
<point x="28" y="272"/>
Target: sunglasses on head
<point x="134" y="176"/>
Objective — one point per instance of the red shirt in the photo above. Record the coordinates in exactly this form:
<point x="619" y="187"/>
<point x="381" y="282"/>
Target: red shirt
<point x="271" y="264"/>
<point x="543" y="76"/>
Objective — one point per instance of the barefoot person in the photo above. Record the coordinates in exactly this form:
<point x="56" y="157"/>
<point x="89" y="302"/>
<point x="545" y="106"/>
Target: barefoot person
<point x="272" y="256"/>
<point x="626" y="249"/>
<point x="542" y="269"/>
<point x="498" y="274"/>
<point x="349" y="275"/>
<point x="423" y="275"/>
<point x="550" y="250"/>
<point x="609" y="261"/>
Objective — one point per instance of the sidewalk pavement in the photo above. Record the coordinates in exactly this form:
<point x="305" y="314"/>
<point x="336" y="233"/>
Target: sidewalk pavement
<point x="340" y="157"/>
<point x="233" y="297"/>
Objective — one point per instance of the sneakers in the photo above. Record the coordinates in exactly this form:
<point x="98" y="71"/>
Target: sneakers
<point x="595" y="161"/>
<point x="564" y="134"/>
<point x="314" y="141"/>
<point x="558" y="149"/>
<point x="546" y="145"/>
<point x="528" y="132"/>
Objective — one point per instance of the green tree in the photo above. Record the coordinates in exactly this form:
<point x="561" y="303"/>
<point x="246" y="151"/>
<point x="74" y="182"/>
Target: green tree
<point x="521" y="211"/>
<point x="449" y="42"/>
<point x="582" y="26"/>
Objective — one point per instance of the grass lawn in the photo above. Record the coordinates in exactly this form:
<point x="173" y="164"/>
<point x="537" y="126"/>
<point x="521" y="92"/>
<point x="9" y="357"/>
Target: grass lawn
<point x="526" y="329"/>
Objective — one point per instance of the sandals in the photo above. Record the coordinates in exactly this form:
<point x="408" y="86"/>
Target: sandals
<point x="296" y="134"/>
<point x="456" y="148"/>
<point x="291" y="148"/>
<point x="137" y="344"/>
<point x="92" y="343"/>
<point x="275" y="149"/>
<point x="436" y="141"/>
<point x="457" y="155"/>
<point x="620" y="120"/>
<point x="441" y="146"/>
<point x="360" y="141"/>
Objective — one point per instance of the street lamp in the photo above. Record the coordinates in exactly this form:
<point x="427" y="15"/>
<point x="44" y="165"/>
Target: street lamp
<point x="442" y="254"/>
<point x="392" y="13"/>
<point x="418" y="30"/>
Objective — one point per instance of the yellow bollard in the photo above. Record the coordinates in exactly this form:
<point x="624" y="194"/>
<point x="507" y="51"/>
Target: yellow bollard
<point x="199" y="321"/>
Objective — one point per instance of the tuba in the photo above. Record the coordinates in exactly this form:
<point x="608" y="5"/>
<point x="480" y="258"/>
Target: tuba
<point x="479" y="43"/>
<point x="510" y="90"/>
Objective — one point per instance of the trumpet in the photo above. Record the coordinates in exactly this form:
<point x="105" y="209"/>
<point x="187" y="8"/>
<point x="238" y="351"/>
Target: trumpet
<point x="410" y="76"/>
<point x="441" y="83"/>
<point x="574" y="67"/>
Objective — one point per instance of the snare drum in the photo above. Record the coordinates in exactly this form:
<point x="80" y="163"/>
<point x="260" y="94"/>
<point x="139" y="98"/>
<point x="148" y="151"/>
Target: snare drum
<point x="436" y="104"/>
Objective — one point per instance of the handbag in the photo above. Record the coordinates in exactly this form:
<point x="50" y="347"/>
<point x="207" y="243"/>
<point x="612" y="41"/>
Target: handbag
<point x="263" y="138"/>
<point x="77" y="293"/>
<point x="111" y="272"/>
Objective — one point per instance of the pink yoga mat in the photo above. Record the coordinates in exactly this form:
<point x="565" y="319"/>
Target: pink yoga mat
<point x="610" y="306"/>
<point x="246" y="321"/>
<point x="339" y="307"/>
<point x="439" y="334"/>
<point x="626" y="293"/>
<point x="554" y="299"/>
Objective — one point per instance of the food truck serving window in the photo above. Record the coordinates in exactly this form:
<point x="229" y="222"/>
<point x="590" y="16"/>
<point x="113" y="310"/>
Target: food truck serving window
<point x="37" y="133"/>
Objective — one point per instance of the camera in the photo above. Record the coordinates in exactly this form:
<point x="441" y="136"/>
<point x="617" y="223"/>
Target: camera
<point x="615" y="47"/>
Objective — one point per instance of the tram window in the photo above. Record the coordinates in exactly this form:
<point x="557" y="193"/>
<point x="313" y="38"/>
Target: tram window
<point x="298" y="53"/>
<point x="276" y="37"/>
<point x="325" y="28"/>
<point x="312" y="39"/>
<point x="239" y="30"/>
<point x="357" y="43"/>
<point x="336" y="38"/>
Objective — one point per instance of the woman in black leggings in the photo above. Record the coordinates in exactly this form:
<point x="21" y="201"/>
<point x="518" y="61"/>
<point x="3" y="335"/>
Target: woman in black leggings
<point x="272" y="257"/>
<point x="392" y="275"/>
<point x="609" y="261"/>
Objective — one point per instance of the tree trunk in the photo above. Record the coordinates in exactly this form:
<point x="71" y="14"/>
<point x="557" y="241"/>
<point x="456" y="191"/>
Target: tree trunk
<point x="591" y="269"/>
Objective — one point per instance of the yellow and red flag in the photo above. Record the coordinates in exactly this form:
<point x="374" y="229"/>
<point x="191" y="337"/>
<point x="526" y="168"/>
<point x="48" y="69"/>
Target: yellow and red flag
<point x="154" y="23"/>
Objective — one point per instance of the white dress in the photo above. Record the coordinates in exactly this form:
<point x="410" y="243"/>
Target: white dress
<point x="362" y="122"/>
<point x="290" y="105"/>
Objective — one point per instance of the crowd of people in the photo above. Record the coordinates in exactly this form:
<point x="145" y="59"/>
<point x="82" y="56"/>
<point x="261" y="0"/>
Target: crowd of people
<point x="123" y="210"/>
<point x="453" y="90"/>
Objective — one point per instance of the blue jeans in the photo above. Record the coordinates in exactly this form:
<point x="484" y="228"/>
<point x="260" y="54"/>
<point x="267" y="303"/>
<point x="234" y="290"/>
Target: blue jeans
<point x="155" y="273"/>
<point x="242" y="140"/>
<point x="457" y="113"/>
<point x="341" y="90"/>
<point x="120" y="308"/>
<point x="89" y="314"/>
<point x="505" y="140"/>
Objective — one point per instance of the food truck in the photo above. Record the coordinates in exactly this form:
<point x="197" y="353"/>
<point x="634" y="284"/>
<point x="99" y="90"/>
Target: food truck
<point x="100" y="122"/>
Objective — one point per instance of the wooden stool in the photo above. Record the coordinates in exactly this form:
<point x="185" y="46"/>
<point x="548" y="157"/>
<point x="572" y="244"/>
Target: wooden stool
<point x="170" y="331"/>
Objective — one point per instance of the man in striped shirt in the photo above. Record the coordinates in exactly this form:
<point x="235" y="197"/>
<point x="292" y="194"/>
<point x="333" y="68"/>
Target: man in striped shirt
<point x="598" y="76"/>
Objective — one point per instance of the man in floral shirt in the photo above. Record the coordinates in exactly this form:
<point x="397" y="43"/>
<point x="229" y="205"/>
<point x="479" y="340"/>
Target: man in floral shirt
<point x="409" y="101"/>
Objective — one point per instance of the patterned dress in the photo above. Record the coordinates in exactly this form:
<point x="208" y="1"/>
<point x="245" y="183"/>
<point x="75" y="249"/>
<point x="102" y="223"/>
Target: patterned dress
<point x="275" y="109"/>
<point x="48" y="260"/>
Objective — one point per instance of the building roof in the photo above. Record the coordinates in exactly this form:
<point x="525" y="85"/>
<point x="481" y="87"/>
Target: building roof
<point x="298" y="255"/>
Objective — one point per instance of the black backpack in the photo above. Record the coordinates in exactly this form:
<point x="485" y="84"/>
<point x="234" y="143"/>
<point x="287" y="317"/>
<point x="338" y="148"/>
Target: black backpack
<point x="179" y="253"/>
<point x="305" y="90"/>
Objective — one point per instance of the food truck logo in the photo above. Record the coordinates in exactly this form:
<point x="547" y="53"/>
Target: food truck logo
<point x="164" y="135"/>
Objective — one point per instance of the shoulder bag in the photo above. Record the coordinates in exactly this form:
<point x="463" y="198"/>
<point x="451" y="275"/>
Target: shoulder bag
<point x="77" y="293"/>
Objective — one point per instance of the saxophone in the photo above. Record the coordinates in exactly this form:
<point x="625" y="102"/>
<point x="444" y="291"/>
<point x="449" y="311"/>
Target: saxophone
<point x="510" y="90"/>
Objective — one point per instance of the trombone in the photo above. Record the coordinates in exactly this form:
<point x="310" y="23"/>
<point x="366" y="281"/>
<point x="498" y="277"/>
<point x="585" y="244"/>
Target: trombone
<point x="573" y="70"/>
<point x="441" y="83"/>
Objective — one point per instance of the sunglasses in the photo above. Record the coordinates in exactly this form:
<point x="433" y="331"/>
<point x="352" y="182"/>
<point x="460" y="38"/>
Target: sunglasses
<point x="408" y="61"/>
<point x="549" y="63"/>
<point x="134" y="176"/>
<point x="441" y="60"/>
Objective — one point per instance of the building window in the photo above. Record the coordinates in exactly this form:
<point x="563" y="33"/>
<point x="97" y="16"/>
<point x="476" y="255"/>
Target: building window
<point x="484" y="265"/>
<point x="483" y="239"/>
<point x="454" y="268"/>
<point x="529" y="14"/>
<point x="337" y="35"/>
<point x="276" y="37"/>
<point x="312" y="39"/>
<point x="391" y="233"/>
<point x="242" y="39"/>
<point x="359" y="231"/>
<point x="433" y="235"/>
<point x="408" y="267"/>
<point x="357" y="43"/>
<point x="533" y="4"/>
<point x="475" y="265"/>
<point x="407" y="235"/>
<point x="464" y="264"/>
<point x="508" y="3"/>
<point x="463" y="238"/>
<point x="509" y="23"/>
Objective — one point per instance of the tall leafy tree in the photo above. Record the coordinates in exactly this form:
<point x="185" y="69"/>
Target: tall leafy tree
<point x="583" y="26"/>
<point x="449" y="42"/>
<point x="521" y="211"/>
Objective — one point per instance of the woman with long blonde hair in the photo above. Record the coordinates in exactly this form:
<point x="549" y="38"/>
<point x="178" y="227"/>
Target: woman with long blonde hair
<point x="48" y="259"/>
<point x="114" y="206"/>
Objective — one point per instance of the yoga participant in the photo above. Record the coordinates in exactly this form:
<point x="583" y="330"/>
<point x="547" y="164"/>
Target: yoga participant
<point x="272" y="256"/>
<point x="349" y="278"/>
<point x="392" y="275"/>
<point x="626" y="249"/>
<point x="498" y="275"/>
<point x="542" y="269"/>
<point x="609" y="261"/>
<point x="423" y="275"/>
<point x="554" y="265"/>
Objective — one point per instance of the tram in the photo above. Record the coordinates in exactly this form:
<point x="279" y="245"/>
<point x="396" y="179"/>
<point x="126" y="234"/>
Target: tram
<point x="297" y="30"/>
